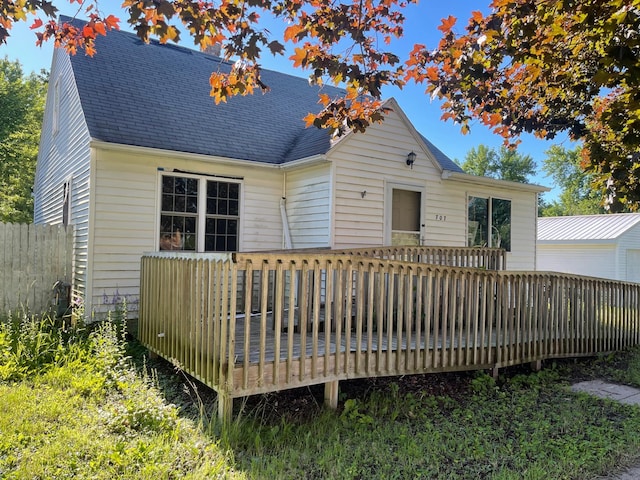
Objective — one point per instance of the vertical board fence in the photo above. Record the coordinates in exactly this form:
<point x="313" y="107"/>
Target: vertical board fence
<point x="33" y="259"/>
<point x="254" y="323"/>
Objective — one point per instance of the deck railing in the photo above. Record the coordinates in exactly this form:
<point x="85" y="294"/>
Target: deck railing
<point x="333" y="317"/>
<point x="472" y="257"/>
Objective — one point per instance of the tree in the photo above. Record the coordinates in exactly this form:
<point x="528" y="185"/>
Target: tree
<point x="537" y="66"/>
<point x="361" y="29"/>
<point x="545" y="67"/>
<point x="506" y="164"/>
<point x="578" y="197"/>
<point x="22" y="105"/>
<point x="478" y="161"/>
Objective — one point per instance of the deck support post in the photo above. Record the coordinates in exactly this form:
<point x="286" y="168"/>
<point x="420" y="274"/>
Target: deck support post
<point x="536" y="366"/>
<point x="494" y="372"/>
<point x="331" y="394"/>
<point x="225" y="408"/>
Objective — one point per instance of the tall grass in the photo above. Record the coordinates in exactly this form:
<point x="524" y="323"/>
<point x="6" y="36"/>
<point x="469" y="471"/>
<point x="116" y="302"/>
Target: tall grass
<point x="74" y="406"/>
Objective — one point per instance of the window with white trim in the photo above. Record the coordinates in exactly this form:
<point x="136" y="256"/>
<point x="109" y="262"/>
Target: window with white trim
<point x="489" y="222"/>
<point x="199" y="214"/>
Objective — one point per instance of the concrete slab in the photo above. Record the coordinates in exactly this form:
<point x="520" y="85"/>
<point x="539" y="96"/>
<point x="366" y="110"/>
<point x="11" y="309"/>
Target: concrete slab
<point x="620" y="393"/>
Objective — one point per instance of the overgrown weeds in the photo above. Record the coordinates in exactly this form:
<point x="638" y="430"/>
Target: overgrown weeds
<point x="74" y="406"/>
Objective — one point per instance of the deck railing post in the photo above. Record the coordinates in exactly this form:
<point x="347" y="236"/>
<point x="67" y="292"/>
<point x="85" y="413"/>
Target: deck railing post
<point x="331" y="394"/>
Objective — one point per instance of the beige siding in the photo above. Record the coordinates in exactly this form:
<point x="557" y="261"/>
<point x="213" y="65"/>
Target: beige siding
<point x="127" y="215"/>
<point x="595" y="260"/>
<point x="65" y="154"/>
<point x="370" y="162"/>
<point x="366" y="163"/>
<point x="308" y="206"/>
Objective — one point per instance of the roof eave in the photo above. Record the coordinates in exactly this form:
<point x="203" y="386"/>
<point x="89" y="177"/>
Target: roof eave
<point x="492" y="182"/>
<point x="158" y="152"/>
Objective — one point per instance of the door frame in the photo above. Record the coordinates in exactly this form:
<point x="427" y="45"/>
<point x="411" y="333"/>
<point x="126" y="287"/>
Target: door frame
<point x="389" y="186"/>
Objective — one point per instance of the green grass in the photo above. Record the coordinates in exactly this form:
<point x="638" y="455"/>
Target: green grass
<point x="84" y="404"/>
<point x="74" y="406"/>
<point x="529" y="426"/>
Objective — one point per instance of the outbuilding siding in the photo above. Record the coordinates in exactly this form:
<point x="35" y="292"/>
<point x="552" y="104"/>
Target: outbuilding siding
<point x="605" y="246"/>
<point x="595" y="260"/>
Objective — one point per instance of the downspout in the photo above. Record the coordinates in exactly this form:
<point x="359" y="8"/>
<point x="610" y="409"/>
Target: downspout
<point x="283" y="213"/>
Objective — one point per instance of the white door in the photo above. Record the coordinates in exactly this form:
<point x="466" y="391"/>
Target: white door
<point x="404" y="215"/>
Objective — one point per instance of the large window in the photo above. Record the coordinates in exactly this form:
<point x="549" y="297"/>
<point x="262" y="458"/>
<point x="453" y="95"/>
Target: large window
<point x="199" y="214"/>
<point x="489" y="223"/>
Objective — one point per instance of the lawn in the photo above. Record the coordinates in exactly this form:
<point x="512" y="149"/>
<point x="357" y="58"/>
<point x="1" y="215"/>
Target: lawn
<point x="86" y="403"/>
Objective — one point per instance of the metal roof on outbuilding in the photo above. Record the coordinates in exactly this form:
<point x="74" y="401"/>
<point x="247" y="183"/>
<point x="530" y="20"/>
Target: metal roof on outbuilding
<point x="586" y="227"/>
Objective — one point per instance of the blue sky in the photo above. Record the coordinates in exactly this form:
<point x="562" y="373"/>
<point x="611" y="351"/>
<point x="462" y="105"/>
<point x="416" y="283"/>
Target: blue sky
<point x="420" y="27"/>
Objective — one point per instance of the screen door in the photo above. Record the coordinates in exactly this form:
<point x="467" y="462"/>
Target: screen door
<point x="406" y="215"/>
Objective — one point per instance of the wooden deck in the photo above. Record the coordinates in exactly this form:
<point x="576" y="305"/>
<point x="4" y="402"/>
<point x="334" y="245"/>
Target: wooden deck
<point x="308" y="318"/>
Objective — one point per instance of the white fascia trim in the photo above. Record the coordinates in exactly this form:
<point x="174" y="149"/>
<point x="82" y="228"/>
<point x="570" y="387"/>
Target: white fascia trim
<point x="492" y="182"/>
<point x="118" y="147"/>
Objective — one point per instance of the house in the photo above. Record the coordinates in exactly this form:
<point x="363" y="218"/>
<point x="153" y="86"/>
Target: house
<point x="137" y="157"/>
<point x="606" y="246"/>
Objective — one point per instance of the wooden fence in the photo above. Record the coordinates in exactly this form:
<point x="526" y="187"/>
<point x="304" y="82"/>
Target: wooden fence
<point x="337" y="316"/>
<point x="33" y="259"/>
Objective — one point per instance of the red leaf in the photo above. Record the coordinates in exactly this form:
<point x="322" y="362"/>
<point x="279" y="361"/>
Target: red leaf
<point x="99" y="28"/>
<point x="88" y="32"/>
<point x="36" y="24"/>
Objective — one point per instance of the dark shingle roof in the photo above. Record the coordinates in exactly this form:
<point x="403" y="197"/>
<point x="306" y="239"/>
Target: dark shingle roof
<point x="445" y="162"/>
<point x="157" y="96"/>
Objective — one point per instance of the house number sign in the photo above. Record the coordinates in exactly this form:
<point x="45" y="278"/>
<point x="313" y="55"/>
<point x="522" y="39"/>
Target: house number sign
<point x="441" y="218"/>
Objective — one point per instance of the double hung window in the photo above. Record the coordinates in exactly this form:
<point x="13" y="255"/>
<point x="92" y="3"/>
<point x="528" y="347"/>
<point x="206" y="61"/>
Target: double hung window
<point x="199" y="214"/>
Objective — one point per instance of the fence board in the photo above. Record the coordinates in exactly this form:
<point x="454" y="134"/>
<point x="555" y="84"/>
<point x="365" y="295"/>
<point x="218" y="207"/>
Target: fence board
<point x="33" y="259"/>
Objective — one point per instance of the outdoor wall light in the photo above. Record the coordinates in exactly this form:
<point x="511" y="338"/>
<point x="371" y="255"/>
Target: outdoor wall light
<point x="411" y="157"/>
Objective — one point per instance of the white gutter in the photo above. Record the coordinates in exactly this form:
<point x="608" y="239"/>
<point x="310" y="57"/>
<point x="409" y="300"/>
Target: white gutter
<point x="305" y="162"/>
<point x="492" y="182"/>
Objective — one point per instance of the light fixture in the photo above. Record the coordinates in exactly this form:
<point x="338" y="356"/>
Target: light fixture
<point x="411" y="157"/>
